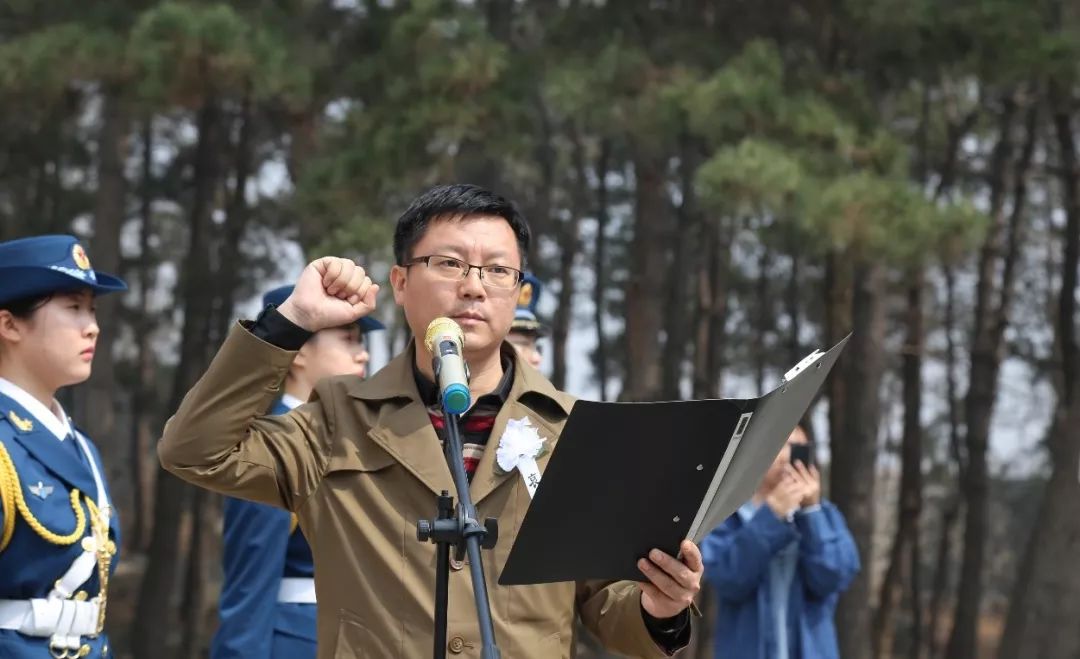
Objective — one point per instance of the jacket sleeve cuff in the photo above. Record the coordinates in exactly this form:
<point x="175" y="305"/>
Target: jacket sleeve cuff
<point x="814" y="527"/>
<point x="776" y="533"/>
<point x="274" y="328"/>
<point x="670" y="634"/>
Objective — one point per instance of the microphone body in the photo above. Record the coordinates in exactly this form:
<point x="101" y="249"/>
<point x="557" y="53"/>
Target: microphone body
<point x="445" y="340"/>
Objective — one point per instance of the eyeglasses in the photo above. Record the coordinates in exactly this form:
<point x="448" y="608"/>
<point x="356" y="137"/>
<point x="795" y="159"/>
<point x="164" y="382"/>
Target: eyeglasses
<point x="451" y="269"/>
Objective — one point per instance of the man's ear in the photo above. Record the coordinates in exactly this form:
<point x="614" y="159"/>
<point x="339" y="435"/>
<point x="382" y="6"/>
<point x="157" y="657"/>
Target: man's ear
<point x="397" y="282"/>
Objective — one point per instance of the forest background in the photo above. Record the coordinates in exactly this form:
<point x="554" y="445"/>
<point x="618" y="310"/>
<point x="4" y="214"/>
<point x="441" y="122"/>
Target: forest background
<point x="717" y="188"/>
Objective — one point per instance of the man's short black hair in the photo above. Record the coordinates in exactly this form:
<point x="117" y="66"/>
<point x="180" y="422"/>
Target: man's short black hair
<point x="456" y="202"/>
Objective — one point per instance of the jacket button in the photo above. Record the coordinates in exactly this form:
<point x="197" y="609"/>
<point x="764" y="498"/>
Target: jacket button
<point x="456" y="565"/>
<point x="456" y="645"/>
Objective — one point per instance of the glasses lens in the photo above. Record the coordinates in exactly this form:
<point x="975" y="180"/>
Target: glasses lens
<point x="500" y="276"/>
<point x="446" y="267"/>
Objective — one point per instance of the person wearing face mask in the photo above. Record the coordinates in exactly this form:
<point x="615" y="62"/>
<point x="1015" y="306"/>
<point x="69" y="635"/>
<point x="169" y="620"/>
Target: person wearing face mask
<point x="526" y="330"/>
<point x="362" y="461"/>
<point x="267" y="606"/>
<point x="58" y="531"/>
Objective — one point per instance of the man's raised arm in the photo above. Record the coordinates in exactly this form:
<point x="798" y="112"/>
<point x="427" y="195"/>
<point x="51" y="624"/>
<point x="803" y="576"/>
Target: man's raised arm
<point x="220" y="439"/>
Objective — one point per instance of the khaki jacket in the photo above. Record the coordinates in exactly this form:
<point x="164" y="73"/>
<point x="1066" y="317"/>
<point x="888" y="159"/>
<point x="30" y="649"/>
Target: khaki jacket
<point x="359" y="465"/>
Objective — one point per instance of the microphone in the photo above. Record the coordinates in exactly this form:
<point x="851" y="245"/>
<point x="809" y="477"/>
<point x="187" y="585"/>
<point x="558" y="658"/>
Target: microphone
<point x="445" y="340"/>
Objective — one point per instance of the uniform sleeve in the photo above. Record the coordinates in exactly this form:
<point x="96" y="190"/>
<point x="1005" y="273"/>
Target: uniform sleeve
<point x="219" y="438"/>
<point x="255" y="542"/>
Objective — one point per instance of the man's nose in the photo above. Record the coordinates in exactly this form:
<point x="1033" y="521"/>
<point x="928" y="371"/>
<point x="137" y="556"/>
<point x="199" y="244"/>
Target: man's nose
<point x="472" y="285"/>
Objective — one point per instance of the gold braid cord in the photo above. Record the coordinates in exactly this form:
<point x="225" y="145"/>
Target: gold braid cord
<point x="105" y="549"/>
<point x="11" y="499"/>
<point x="11" y="496"/>
<point x="7" y="498"/>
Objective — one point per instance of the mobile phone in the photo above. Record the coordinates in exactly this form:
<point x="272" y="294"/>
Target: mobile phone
<point x="802" y="453"/>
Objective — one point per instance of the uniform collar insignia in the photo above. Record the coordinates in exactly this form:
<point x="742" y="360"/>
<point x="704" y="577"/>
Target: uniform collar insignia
<point x="24" y="425"/>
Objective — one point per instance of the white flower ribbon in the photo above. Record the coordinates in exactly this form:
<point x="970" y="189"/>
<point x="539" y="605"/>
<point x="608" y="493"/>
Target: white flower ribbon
<point x="519" y="447"/>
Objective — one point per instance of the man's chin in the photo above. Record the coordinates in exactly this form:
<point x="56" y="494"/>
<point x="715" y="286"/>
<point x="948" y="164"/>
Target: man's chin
<point x="475" y="332"/>
<point x="479" y="339"/>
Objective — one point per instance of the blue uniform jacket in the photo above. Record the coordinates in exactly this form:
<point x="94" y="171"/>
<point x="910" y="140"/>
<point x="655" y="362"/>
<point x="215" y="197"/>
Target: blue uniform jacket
<point x="259" y="551"/>
<point x="47" y="471"/>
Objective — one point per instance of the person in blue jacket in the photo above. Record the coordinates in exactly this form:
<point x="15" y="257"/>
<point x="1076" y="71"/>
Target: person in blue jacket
<point x="267" y="606"/>
<point x="778" y="566"/>
<point x="58" y="531"/>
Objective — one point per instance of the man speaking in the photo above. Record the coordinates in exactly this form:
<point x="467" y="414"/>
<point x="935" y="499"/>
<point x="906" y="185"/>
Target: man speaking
<point x="362" y="461"/>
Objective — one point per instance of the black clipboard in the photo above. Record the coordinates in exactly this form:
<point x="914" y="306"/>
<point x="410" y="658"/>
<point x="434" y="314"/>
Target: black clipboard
<point x="625" y="478"/>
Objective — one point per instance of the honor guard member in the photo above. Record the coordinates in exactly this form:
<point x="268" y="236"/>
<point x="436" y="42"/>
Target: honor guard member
<point x="267" y="606"/>
<point x="526" y="329"/>
<point x="58" y="532"/>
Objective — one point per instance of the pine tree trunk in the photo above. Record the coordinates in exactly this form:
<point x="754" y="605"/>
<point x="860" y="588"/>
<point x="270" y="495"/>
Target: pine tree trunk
<point x="647" y="279"/>
<point x="600" y="267"/>
<point x="172" y="496"/>
<point x="987" y="353"/>
<point x="677" y="311"/>
<point x="903" y="564"/>
<point x="854" y="451"/>
<point x="950" y="515"/>
<point x="143" y="414"/>
<point x="1046" y="596"/>
<point x="710" y="334"/>
<point x="99" y="398"/>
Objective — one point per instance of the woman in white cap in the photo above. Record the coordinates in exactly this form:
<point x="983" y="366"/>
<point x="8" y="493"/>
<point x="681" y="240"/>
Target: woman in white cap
<point x="58" y="532"/>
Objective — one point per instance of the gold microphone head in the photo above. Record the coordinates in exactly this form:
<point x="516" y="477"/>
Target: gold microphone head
<point x="443" y="327"/>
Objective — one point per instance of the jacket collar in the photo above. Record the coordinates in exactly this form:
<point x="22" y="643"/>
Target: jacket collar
<point x="406" y="433"/>
<point x="58" y="426"/>
<point x="61" y="458"/>
<point x="395" y="380"/>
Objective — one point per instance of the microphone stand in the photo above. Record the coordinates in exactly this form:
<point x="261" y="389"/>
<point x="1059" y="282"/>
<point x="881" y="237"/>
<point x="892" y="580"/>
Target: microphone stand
<point x="466" y="535"/>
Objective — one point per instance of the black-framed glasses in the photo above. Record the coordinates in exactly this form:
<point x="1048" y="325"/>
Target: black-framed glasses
<point x="451" y="269"/>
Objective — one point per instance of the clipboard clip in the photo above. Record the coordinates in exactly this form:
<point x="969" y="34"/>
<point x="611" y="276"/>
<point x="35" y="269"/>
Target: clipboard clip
<point x="802" y="366"/>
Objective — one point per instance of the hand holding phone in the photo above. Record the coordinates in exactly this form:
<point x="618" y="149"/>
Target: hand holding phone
<point x="805" y="473"/>
<point x="802" y="453"/>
